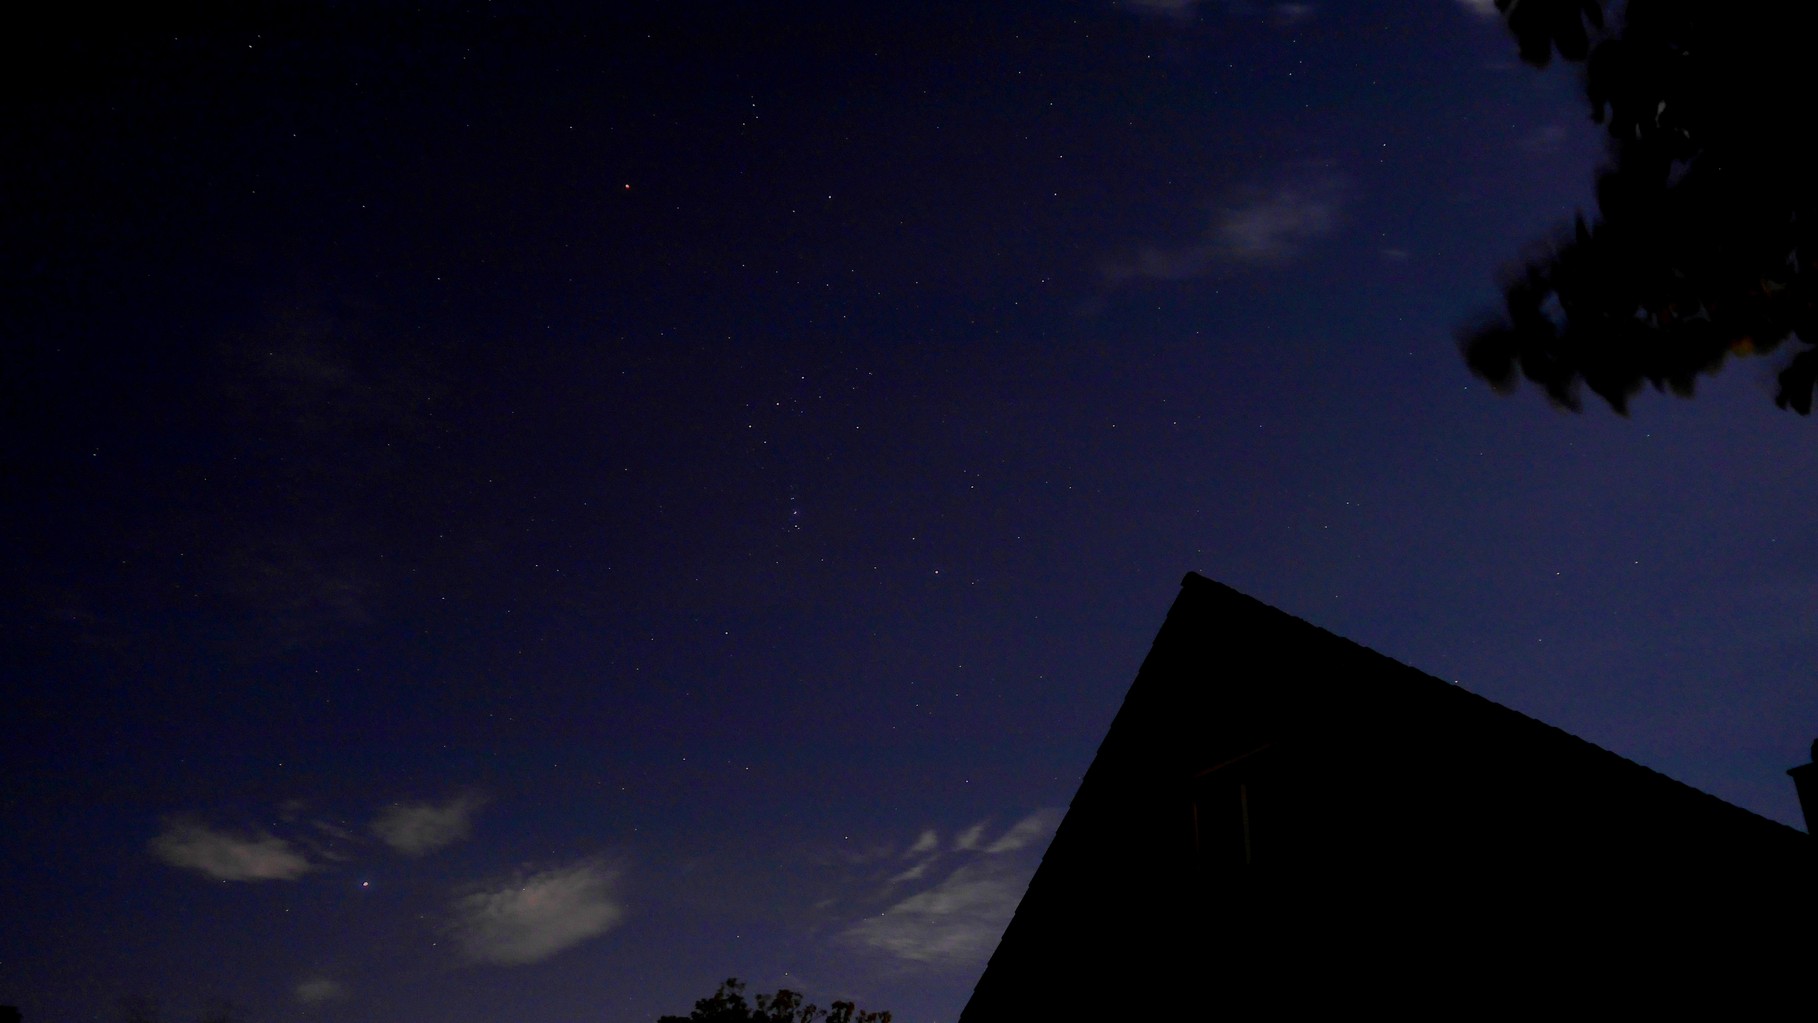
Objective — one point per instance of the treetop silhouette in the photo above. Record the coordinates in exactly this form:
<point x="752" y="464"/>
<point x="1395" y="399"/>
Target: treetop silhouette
<point x="728" y="1005"/>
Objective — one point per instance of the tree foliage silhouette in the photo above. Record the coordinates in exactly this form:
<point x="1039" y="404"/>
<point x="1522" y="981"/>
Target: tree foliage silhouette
<point x="728" y="1005"/>
<point x="1704" y="245"/>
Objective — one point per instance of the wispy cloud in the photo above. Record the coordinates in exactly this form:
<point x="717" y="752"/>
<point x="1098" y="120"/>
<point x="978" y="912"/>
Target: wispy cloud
<point x="1170" y="8"/>
<point x="332" y="420"/>
<point x="317" y="990"/>
<point x="1545" y="140"/>
<point x="1031" y="829"/>
<point x="1254" y="226"/>
<point x="418" y="828"/>
<point x="1186" y="10"/>
<point x="531" y="918"/>
<point x="1291" y="14"/>
<point x="915" y="873"/>
<point x="1481" y="8"/>
<point x="971" y="837"/>
<point x="226" y="856"/>
<point x="957" y="920"/>
<point x="1271" y="225"/>
<point x="955" y="923"/>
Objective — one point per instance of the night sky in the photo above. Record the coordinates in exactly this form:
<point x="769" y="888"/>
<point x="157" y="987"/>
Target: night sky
<point x="523" y="513"/>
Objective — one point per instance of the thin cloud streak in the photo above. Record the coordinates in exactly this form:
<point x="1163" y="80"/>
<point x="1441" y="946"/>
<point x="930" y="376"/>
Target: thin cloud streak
<point x="1026" y="832"/>
<point x="1171" y="8"/>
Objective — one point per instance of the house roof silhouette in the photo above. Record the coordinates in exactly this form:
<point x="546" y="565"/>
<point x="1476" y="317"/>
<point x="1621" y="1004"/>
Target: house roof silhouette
<point x="1279" y="817"/>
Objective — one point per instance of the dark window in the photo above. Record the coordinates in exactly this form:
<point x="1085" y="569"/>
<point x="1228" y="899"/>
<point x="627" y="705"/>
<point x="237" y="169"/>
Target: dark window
<point x="1233" y="806"/>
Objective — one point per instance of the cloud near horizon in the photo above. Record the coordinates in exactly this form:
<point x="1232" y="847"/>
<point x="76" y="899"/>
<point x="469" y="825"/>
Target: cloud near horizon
<point x="225" y="856"/>
<point x="956" y="922"/>
<point x="531" y="918"/>
<point x="416" y="829"/>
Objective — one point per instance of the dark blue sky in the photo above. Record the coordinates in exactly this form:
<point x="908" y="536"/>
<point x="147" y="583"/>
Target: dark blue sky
<point x="517" y="513"/>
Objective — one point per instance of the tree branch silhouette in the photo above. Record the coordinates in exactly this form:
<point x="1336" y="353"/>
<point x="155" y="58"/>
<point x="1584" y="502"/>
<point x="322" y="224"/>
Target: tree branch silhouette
<point x="1703" y="248"/>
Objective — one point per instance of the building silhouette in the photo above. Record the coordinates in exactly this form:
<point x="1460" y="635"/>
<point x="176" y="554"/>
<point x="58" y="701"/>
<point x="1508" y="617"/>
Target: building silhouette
<point x="1282" y="820"/>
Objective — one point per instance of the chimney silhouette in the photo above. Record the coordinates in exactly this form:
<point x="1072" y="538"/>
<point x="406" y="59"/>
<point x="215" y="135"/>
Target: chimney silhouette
<point x="1805" y="779"/>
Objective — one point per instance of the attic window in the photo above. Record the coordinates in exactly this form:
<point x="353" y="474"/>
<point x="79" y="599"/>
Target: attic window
<point x="1230" y="800"/>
